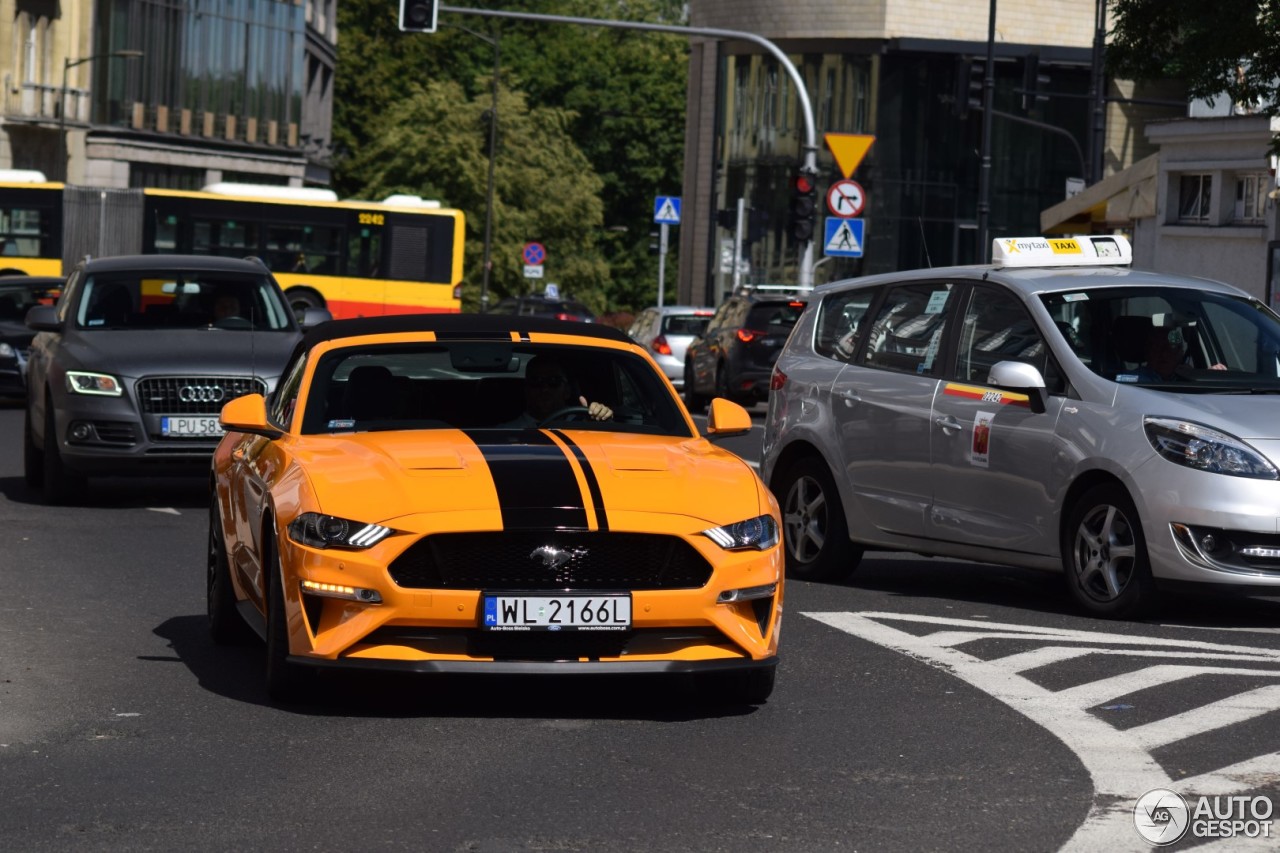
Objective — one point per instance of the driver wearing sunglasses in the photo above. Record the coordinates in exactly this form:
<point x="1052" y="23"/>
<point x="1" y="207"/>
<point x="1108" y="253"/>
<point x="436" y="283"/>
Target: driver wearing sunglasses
<point x="547" y="391"/>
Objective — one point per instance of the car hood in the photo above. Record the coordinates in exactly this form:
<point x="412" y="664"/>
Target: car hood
<point x="1247" y="416"/>
<point x="529" y="478"/>
<point x="174" y="351"/>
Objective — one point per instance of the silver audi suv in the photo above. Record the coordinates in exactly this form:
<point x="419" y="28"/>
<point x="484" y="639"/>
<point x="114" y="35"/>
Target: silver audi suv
<point x="1055" y="409"/>
<point x="129" y="370"/>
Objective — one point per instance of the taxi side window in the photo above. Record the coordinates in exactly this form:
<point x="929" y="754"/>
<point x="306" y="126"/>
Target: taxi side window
<point x="997" y="327"/>
<point x="908" y="329"/>
<point x="842" y="323"/>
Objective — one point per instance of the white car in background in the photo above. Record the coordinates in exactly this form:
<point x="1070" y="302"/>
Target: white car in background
<point x="666" y="333"/>
<point x="1054" y="409"/>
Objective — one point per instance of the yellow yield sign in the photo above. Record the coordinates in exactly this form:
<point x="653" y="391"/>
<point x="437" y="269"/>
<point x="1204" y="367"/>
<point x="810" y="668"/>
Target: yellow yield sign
<point x="849" y="149"/>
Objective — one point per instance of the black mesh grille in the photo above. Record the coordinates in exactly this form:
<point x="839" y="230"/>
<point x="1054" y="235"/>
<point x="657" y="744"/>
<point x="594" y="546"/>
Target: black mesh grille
<point x="544" y="645"/>
<point x="114" y="432"/>
<point x="507" y="560"/>
<point x="194" y="395"/>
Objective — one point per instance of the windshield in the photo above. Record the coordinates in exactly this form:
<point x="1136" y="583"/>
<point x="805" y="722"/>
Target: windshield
<point x="478" y="386"/>
<point x="167" y="299"/>
<point x="1175" y="338"/>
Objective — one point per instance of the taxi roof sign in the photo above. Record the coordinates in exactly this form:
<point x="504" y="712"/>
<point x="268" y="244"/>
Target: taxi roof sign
<point x="1083" y="251"/>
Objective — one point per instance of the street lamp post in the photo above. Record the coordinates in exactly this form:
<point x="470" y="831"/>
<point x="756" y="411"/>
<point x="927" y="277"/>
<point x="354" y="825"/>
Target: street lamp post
<point x="67" y="64"/>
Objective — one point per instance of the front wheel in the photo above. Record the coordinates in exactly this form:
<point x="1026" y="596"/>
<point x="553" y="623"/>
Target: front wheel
<point x="32" y="456"/>
<point x="58" y="481"/>
<point x="815" y="532"/>
<point x="286" y="681"/>
<point x="225" y="625"/>
<point x="1104" y="555"/>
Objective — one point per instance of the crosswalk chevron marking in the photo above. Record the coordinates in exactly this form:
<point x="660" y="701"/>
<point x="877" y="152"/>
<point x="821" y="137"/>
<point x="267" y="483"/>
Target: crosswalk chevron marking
<point x="1119" y="762"/>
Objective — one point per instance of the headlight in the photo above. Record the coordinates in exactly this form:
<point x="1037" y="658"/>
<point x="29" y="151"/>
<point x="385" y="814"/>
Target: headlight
<point x="329" y="531"/>
<point x="102" y="384"/>
<point x="7" y="351"/>
<point x="760" y="533"/>
<point x="1205" y="449"/>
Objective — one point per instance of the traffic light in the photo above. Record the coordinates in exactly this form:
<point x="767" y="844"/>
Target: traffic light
<point x="1033" y="82"/>
<point x="804" y="191"/>
<point x="418" y="16"/>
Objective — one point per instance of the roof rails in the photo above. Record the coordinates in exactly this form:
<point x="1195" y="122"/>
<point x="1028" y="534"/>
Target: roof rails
<point x="272" y="191"/>
<point x="774" y="289"/>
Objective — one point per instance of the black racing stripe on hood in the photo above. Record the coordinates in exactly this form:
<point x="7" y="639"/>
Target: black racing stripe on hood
<point x="593" y="485"/>
<point x="537" y="489"/>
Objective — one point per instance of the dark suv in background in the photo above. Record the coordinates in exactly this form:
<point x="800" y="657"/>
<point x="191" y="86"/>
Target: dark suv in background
<point x="542" y="306"/>
<point x="129" y="371"/>
<point x="734" y="357"/>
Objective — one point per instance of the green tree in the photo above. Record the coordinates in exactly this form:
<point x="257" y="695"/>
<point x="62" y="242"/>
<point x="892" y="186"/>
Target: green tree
<point x="620" y="94"/>
<point x="434" y="142"/>
<point x="1227" y="48"/>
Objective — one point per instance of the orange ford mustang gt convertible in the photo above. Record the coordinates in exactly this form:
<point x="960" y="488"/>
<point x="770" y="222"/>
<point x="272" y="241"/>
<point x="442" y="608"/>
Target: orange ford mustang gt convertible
<point x="462" y="493"/>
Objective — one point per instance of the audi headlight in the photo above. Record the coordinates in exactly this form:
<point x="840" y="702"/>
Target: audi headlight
<point x="329" y="531"/>
<point x="760" y="533"/>
<point x="1204" y="449"/>
<point x="101" y="384"/>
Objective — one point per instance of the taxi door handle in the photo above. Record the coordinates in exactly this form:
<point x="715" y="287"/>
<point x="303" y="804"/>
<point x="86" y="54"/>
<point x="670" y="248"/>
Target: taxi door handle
<point x="947" y="422"/>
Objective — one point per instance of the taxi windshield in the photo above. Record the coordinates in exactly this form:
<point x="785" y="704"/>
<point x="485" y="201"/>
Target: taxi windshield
<point x="1172" y="337"/>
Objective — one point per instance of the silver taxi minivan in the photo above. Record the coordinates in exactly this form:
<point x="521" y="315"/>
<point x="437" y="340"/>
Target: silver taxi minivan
<point x="1055" y="409"/>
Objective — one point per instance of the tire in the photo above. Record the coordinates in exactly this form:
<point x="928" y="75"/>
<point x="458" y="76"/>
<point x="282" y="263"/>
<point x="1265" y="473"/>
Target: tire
<point x="815" y="533"/>
<point x="693" y="401"/>
<point x="741" y="687"/>
<point x="226" y="627"/>
<point x="1104" y="555"/>
<point x="300" y="299"/>
<point x="286" y="682"/>
<point x="59" y="483"/>
<point x="32" y="456"/>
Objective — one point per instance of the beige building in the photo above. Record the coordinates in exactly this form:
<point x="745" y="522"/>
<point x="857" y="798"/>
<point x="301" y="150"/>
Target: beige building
<point x="133" y="94"/>
<point x="911" y="74"/>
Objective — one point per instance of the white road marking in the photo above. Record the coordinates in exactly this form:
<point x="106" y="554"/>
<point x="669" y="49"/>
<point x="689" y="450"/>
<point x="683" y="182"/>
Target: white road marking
<point x="168" y="510"/>
<point x="1118" y="761"/>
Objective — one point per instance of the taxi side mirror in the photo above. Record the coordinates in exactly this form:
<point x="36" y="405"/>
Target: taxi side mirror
<point x="727" y="418"/>
<point x="1020" y="377"/>
<point x="248" y="414"/>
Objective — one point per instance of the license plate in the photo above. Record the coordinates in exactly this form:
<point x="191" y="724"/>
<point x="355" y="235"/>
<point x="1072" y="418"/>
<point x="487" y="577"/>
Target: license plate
<point x="190" y="426"/>
<point x="557" y="612"/>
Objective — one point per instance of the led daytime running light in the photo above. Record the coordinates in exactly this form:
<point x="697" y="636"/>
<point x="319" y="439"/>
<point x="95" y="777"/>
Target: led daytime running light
<point x="760" y="533"/>
<point x="334" y="590"/>
<point x="100" y="384"/>
<point x="329" y="531"/>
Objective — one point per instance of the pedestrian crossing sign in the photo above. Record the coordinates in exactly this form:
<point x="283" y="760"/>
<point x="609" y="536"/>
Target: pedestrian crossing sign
<point x="843" y="237"/>
<point x="666" y="210"/>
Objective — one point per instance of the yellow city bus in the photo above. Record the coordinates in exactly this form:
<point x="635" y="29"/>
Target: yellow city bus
<point x="402" y="255"/>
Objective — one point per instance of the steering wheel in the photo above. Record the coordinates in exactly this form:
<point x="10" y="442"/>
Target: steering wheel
<point x="572" y="413"/>
<point x="233" y="323"/>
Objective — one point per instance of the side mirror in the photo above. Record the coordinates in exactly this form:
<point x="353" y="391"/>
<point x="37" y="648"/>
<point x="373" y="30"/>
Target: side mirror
<point x="1020" y="377"/>
<point x="314" y="317"/>
<point x="43" y="318"/>
<point x="248" y="414"/>
<point x="727" y="418"/>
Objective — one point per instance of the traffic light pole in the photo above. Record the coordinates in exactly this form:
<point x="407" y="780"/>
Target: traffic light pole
<point x="804" y="276"/>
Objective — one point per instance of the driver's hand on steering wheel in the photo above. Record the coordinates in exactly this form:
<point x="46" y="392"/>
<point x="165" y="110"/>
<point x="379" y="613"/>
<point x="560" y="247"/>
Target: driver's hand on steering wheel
<point x="597" y="411"/>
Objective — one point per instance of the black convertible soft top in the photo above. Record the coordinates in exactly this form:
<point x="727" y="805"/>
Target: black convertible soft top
<point x="457" y="327"/>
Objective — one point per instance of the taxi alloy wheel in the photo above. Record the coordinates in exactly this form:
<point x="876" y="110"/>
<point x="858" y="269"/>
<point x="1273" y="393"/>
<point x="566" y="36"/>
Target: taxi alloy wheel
<point x="814" y="530"/>
<point x="32" y="458"/>
<point x="1104" y="555"/>
<point x="286" y="682"/>
<point x="225" y="625"/>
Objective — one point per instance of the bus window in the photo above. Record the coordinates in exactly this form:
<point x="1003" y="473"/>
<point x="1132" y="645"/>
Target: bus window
<point x="305" y="248"/>
<point x="166" y="234"/>
<point x="364" y="253"/>
<point x="230" y="238"/>
<point x="20" y="232"/>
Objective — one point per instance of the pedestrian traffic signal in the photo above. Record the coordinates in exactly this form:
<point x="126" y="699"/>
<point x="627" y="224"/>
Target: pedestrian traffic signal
<point x="418" y="16"/>
<point x="804" y="190"/>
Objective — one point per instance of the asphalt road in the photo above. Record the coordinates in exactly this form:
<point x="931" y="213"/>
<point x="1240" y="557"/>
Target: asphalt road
<point x="921" y="705"/>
